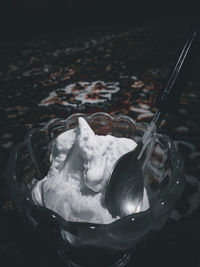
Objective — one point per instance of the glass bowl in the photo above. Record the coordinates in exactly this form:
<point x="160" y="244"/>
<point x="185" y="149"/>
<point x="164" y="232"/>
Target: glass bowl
<point x="91" y="244"/>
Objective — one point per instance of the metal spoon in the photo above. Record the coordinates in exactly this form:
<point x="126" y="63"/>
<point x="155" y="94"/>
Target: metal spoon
<point x="125" y="187"/>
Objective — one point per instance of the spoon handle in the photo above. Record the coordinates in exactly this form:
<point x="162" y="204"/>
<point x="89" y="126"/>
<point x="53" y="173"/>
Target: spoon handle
<point x="171" y="92"/>
<point x="169" y="96"/>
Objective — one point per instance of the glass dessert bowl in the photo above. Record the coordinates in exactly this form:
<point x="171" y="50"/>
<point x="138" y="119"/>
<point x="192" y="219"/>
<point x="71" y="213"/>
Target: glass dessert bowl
<point x="86" y="243"/>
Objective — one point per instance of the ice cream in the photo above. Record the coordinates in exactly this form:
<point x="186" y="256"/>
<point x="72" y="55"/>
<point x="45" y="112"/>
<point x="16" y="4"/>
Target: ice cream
<point x="80" y="166"/>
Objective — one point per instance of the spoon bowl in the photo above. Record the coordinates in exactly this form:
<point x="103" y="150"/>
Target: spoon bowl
<point x="126" y="195"/>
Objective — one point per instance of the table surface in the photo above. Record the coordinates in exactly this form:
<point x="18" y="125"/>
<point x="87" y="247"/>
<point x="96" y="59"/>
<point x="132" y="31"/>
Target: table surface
<point x="37" y="76"/>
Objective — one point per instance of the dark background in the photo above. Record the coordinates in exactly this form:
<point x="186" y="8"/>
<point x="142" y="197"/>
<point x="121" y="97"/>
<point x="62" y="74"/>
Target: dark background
<point x="25" y="18"/>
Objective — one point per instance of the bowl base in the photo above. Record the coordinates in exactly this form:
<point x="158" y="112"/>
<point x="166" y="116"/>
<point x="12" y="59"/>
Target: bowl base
<point x="119" y="262"/>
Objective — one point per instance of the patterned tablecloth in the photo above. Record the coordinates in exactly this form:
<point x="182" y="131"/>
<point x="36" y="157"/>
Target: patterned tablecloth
<point x="111" y="70"/>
